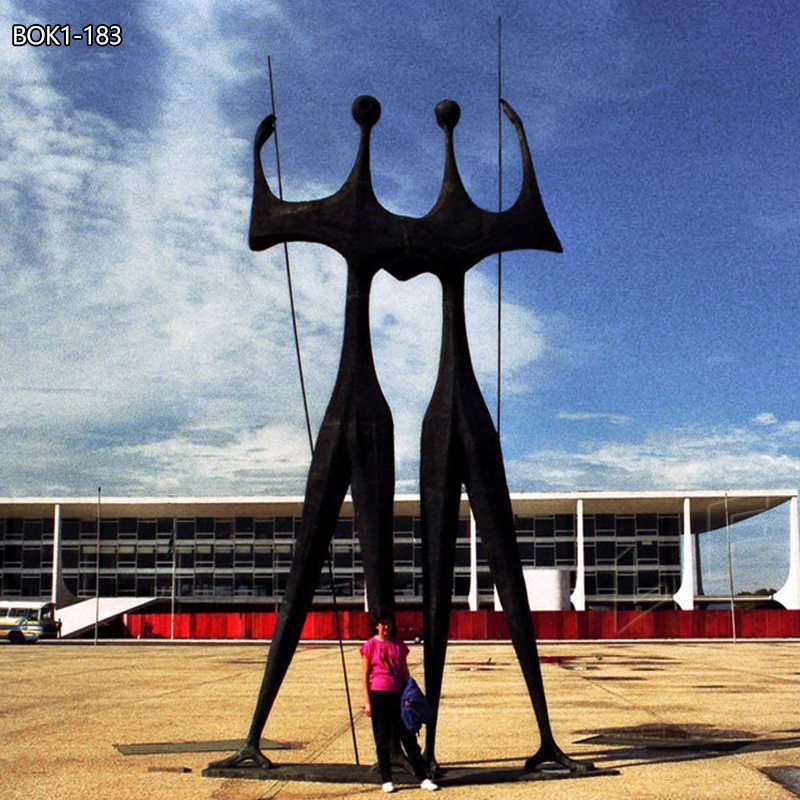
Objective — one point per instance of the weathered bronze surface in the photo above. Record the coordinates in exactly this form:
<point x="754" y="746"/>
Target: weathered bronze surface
<point x="355" y="445"/>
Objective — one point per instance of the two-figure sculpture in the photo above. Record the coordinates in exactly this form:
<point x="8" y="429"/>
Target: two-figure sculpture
<point x="355" y="445"/>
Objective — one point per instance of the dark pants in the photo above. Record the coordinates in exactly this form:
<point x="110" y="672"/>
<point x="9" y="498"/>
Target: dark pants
<point x="386" y="723"/>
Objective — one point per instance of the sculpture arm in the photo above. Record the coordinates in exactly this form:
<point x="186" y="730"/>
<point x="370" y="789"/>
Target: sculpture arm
<point x="536" y="230"/>
<point x="274" y="221"/>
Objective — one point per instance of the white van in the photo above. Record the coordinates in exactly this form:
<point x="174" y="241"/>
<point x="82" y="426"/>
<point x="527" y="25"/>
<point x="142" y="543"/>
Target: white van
<point x="27" y="621"/>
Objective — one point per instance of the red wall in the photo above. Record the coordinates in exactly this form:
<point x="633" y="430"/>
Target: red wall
<point x="481" y="625"/>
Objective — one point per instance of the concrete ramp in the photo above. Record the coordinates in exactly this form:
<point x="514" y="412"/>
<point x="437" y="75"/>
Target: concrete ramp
<point x="81" y="617"/>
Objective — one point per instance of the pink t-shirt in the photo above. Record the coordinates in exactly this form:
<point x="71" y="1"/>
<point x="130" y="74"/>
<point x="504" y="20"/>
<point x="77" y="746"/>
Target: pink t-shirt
<point x="386" y="661"/>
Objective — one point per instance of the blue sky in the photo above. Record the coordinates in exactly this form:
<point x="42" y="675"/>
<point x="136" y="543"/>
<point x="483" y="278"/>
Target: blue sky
<point x="145" y="349"/>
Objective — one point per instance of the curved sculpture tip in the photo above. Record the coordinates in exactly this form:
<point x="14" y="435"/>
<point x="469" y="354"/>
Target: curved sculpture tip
<point x="264" y="131"/>
<point x="508" y="110"/>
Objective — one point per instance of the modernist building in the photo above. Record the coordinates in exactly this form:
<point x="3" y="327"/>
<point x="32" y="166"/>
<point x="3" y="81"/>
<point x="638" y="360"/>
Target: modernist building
<point x="609" y="549"/>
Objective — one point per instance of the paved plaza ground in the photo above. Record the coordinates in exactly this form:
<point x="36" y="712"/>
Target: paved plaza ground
<point x="677" y="720"/>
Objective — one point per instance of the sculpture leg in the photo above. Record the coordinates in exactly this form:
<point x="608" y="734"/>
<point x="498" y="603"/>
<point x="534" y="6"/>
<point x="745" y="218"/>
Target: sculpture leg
<point x="371" y="448"/>
<point x="328" y="479"/>
<point x="440" y="486"/>
<point x="491" y="505"/>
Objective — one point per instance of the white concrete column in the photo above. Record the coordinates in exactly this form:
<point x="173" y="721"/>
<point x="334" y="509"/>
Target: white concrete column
<point x="472" y="598"/>
<point x="684" y="597"/>
<point x="578" y="596"/>
<point x="789" y="594"/>
<point x="55" y="581"/>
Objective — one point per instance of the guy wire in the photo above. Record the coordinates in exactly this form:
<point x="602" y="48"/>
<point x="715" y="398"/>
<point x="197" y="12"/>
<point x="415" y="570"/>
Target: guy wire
<point x="308" y="416"/>
<point x="288" y="268"/>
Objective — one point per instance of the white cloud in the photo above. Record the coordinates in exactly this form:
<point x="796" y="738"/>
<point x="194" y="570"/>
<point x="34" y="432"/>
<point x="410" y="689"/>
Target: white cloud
<point x="687" y="458"/>
<point x="593" y="416"/>
<point x="788" y="429"/>
<point x="765" y="419"/>
<point x="135" y="303"/>
<point x="272" y="460"/>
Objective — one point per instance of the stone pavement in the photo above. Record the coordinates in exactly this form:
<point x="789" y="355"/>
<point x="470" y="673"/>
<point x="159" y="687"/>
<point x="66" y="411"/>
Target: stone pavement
<point x="677" y="720"/>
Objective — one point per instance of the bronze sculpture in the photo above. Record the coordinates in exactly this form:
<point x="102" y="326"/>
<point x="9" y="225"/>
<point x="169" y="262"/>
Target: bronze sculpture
<point x="355" y="444"/>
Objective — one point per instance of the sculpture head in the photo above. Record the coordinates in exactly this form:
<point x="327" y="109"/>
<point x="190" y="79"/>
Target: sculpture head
<point x="366" y="110"/>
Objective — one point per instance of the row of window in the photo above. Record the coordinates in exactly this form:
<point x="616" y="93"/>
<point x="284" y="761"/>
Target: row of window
<point x="144" y="555"/>
<point x="167" y="528"/>
<point x="208" y="528"/>
<point x="271" y="586"/>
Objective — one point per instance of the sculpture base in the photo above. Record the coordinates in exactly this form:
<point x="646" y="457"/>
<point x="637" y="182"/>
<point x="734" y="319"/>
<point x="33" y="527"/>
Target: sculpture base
<point x="350" y="773"/>
<point x="214" y="746"/>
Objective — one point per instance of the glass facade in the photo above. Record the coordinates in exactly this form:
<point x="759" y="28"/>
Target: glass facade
<point x="26" y="566"/>
<point x="628" y="558"/>
<point x="631" y="557"/>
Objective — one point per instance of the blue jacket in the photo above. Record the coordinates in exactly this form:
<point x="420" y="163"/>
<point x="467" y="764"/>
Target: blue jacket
<point x="415" y="710"/>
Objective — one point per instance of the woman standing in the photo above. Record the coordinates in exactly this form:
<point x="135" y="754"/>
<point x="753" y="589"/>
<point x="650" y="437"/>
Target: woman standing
<point x="385" y="672"/>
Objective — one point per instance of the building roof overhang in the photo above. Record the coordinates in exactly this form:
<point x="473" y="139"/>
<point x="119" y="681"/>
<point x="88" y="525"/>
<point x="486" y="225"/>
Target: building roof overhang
<point x="710" y="510"/>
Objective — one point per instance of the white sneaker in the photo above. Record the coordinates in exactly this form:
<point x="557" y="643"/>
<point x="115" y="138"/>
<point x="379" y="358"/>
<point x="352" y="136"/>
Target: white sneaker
<point x="388" y="787"/>
<point x="429" y="785"/>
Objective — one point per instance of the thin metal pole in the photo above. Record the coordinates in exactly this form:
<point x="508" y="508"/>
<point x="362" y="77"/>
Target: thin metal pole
<point x="499" y="209"/>
<point x="308" y="416"/>
<point x="288" y="268"/>
<point x="97" y="572"/>
<point x="341" y="655"/>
